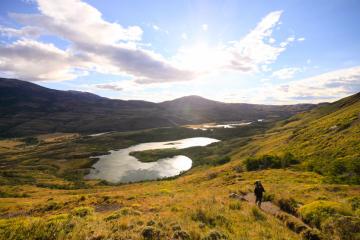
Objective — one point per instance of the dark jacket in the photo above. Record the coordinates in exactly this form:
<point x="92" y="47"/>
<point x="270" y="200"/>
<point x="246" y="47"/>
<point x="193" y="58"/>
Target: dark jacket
<point x="259" y="189"/>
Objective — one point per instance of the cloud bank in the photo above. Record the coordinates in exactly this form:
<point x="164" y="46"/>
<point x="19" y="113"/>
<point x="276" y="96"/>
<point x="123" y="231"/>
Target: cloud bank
<point x="107" y="47"/>
<point x="324" y="87"/>
<point x="95" y="45"/>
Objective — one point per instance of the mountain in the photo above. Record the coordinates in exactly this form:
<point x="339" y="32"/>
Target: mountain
<point x="27" y="108"/>
<point x="200" y="109"/>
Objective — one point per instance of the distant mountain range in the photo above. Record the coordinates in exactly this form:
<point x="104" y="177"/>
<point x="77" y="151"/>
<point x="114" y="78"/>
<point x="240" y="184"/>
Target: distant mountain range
<point x="27" y="108"/>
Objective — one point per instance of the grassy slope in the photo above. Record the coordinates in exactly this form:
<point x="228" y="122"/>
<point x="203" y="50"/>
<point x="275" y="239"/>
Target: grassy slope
<point x="322" y="138"/>
<point x="199" y="200"/>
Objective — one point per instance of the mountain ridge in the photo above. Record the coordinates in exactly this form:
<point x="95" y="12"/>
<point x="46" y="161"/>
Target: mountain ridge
<point x="27" y="108"/>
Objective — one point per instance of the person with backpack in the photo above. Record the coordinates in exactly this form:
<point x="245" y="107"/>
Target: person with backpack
<point x="258" y="191"/>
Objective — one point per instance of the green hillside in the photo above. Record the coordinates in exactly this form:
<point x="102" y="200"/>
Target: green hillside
<point x="325" y="140"/>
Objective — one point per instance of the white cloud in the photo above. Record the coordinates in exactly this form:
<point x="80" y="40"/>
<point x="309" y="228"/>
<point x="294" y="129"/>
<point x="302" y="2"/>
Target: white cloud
<point x="301" y="39"/>
<point x="249" y="54"/>
<point x="28" y="32"/>
<point x="290" y="39"/>
<point x="184" y="36"/>
<point x="324" y="87"/>
<point x="27" y="59"/>
<point x="204" y="27"/>
<point x="272" y="40"/>
<point x="156" y="27"/>
<point x="109" y="86"/>
<point x="285" y="73"/>
<point x="265" y="68"/>
<point x="103" y="45"/>
<point x="99" y="45"/>
<point x="252" y="50"/>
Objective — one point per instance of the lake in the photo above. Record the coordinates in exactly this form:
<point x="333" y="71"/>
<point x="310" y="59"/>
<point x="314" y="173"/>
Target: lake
<point x="119" y="166"/>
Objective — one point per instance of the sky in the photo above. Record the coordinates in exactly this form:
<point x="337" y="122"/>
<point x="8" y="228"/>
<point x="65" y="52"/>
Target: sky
<point x="261" y="51"/>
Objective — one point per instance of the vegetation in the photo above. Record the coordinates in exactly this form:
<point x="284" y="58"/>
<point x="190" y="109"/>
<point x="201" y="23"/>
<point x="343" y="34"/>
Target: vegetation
<point x="214" y="154"/>
<point x="308" y="167"/>
<point x="325" y="140"/>
<point x="269" y="161"/>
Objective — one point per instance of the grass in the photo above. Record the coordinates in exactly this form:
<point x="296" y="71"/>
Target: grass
<point x="45" y="197"/>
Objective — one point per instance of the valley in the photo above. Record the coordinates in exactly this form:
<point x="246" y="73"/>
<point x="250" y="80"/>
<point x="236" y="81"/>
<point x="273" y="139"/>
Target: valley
<point x="44" y="193"/>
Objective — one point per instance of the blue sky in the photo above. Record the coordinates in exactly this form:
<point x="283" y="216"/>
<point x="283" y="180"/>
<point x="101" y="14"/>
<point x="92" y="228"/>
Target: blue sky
<point x="272" y="52"/>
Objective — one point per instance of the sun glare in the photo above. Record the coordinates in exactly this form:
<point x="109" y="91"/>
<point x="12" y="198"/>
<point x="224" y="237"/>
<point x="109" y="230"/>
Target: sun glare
<point x="200" y="57"/>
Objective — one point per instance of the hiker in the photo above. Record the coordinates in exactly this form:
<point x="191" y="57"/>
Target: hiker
<point x="258" y="191"/>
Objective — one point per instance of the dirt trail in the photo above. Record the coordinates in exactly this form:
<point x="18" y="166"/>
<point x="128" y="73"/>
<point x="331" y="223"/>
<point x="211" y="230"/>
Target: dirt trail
<point x="292" y="222"/>
<point x="267" y="207"/>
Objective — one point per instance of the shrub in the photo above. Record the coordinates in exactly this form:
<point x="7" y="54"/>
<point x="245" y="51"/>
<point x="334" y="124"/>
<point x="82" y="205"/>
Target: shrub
<point x="30" y="140"/>
<point x="270" y="161"/>
<point x="317" y="212"/>
<point x="113" y="216"/>
<point x="342" y="228"/>
<point x="82" y="211"/>
<point x="238" y="169"/>
<point x="222" y="160"/>
<point x="288" y="159"/>
<point x="129" y="211"/>
<point x="208" y="218"/>
<point x="50" y="206"/>
<point x="215" y="235"/>
<point x="181" y="235"/>
<point x="292" y="223"/>
<point x="311" y="234"/>
<point x="212" y="175"/>
<point x="288" y="205"/>
<point x="355" y="203"/>
<point x="35" y="228"/>
<point x="258" y="215"/>
<point x="268" y="197"/>
<point x="235" y="205"/>
<point x="150" y="233"/>
<point x="263" y="162"/>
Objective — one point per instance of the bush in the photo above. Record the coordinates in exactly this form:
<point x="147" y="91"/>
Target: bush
<point x="30" y="140"/>
<point x="113" y="216"/>
<point x="82" y="211"/>
<point x="181" y="235"/>
<point x="235" y="205"/>
<point x="36" y="228"/>
<point x="355" y="203"/>
<point x="270" y="161"/>
<point x="258" y="215"/>
<point x="208" y="218"/>
<point x="129" y="211"/>
<point x="222" y="160"/>
<point x="150" y="233"/>
<point x="288" y="205"/>
<point x="317" y="212"/>
<point x="50" y="206"/>
<point x="342" y="228"/>
<point x="268" y="197"/>
<point x="311" y="234"/>
<point x="215" y="235"/>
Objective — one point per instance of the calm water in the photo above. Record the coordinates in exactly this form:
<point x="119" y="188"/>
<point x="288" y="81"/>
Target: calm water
<point x="205" y="127"/>
<point x="119" y="166"/>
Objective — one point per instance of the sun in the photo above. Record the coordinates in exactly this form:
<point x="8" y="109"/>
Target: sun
<point x="200" y="57"/>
